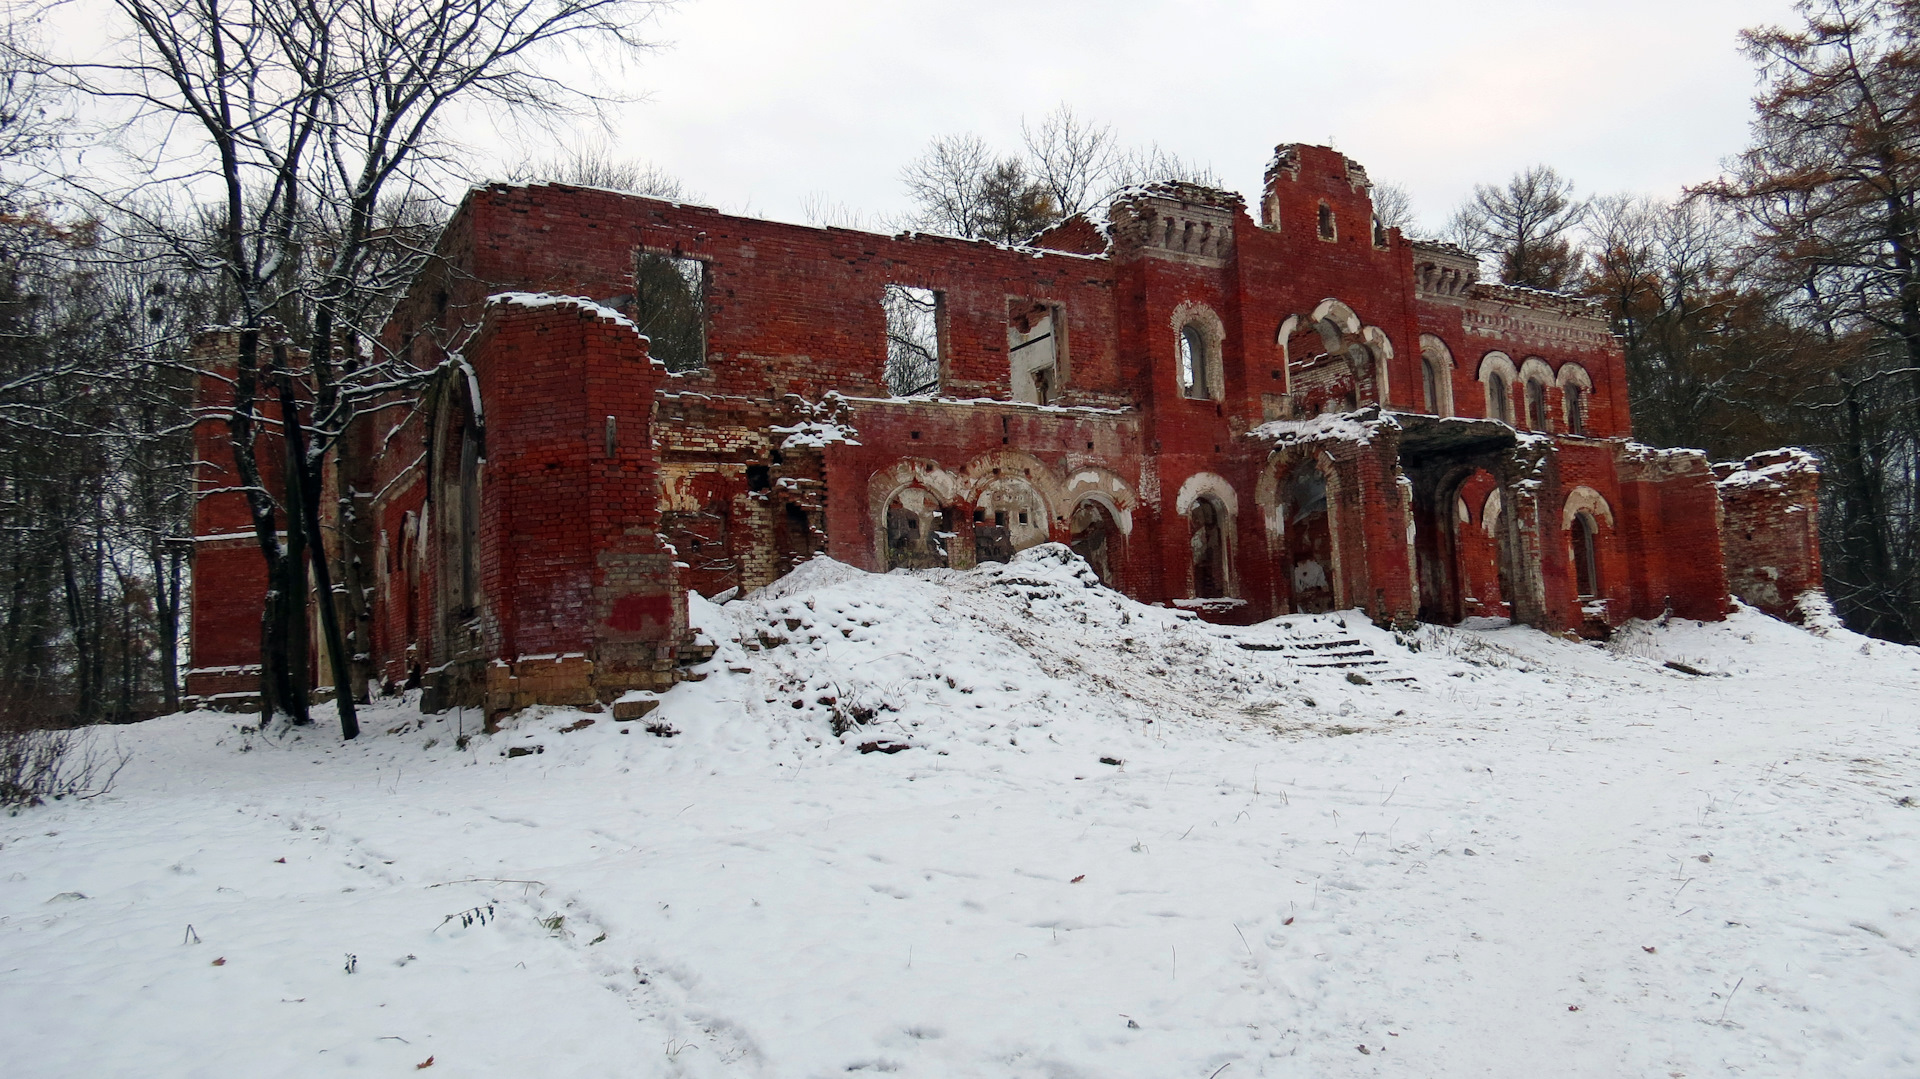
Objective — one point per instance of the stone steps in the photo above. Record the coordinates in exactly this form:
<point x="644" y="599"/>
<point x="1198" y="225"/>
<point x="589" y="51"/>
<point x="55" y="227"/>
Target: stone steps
<point x="1314" y="645"/>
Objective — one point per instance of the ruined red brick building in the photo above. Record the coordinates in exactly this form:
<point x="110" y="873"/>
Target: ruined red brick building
<point x="1303" y="412"/>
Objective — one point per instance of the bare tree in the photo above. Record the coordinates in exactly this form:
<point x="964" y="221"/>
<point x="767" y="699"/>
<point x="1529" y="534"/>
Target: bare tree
<point x="1830" y="195"/>
<point x="1073" y="159"/>
<point x="819" y="209"/>
<point x="1154" y="165"/>
<point x="315" y="127"/>
<point x="947" y="182"/>
<point x="960" y="185"/>
<point x="1525" y="227"/>
<point x="1393" y="207"/>
<point x="596" y="166"/>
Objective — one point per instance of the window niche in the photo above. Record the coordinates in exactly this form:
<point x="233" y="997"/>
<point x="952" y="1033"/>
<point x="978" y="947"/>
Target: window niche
<point x="1586" y="564"/>
<point x="914" y="353"/>
<point x="1499" y="398"/>
<point x="670" y="307"/>
<point x="1497" y="375"/>
<point x="1036" y="352"/>
<point x="1537" y="405"/>
<point x="1198" y="344"/>
<point x="1207" y="536"/>
<point x="1436" y="375"/>
<point x="1576" y="390"/>
<point x="1193" y="363"/>
<point x="1328" y="229"/>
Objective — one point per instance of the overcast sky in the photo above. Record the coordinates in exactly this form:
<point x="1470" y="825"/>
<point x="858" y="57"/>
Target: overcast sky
<point x="758" y="103"/>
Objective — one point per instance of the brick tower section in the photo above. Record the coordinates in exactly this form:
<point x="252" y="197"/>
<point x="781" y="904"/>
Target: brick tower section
<point x="582" y="602"/>
<point x="229" y="572"/>
<point x="1770" y="528"/>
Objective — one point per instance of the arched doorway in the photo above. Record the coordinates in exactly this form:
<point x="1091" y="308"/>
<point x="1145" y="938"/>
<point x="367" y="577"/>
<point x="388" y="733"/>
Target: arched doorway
<point x="1207" y="538"/>
<point x="1095" y="537"/>
<point x="1309" y="539"/>
<point x="1586" y="564"/>
<point x="1009" y="516"/>
<point x="919" y="531"/>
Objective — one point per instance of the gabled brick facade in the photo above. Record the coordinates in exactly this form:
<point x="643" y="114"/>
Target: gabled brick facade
<point x="1306" y="412"/>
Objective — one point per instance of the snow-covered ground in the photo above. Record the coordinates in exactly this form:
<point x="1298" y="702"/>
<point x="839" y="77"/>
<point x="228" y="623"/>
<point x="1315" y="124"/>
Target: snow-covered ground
<point x="1120" y="842"/>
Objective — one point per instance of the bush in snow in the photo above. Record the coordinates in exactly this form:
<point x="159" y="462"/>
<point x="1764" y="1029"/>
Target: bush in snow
<point x="37" y="763"/>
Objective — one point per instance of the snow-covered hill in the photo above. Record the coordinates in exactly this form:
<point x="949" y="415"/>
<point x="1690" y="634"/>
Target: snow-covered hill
<point x="1087" y="838"/>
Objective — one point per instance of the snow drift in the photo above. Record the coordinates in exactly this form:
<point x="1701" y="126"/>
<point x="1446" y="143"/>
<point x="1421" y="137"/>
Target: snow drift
<point x="1007" y="822"/>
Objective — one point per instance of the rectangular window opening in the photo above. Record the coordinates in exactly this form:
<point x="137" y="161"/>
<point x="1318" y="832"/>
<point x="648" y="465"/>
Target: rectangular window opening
<point x="913" y="339"/>
<point x="670" y="307"/>
<point x="1035" y="356"/>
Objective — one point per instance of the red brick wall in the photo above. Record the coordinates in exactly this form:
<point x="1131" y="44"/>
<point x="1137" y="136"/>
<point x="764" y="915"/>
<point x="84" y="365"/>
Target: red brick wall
<point x="1770" y="507"/>
<point x="572" y="559"/>
<point x="575" y="543"/>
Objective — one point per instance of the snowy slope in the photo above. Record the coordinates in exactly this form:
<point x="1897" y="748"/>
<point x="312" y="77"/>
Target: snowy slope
<point x="1498" y="853"/>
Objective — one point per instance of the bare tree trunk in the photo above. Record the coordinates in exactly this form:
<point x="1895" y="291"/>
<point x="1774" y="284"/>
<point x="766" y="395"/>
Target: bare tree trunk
<point x="303" y="491"/>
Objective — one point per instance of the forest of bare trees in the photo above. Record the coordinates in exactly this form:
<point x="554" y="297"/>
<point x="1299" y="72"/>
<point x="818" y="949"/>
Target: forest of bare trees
<point x="291" y="159"/>
<point x="1779" y="304"/>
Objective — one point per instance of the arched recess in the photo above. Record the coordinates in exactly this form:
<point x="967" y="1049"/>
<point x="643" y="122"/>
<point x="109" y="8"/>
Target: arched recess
<point x="1382" y="346"/>
<point x="1337" y="312"/>
<point x="1097" y="483"/>
<point x="457" y="490"/>
<point x="1477" y="555"/>
<point x="1576" y="397"/>
<point x="1585" y="500"/>
<point x="919" y="530"/>
<point x="1281" y="341"/>
<point x="1349" y="368"/>
<point x="1094" y="534"/>
<point x="911" y="507"/>
<point x="1497" y="377"/>
<point x="1298" y="494"/>
<point x="1008" y="515"/>
<point x="1436" y="375"/>
<point x="1310" y="556"/>
<point x="1536" y="378"/>
<point x="1207" y="330"/>
<point x="1211" y="508"/>
<point x="1581" y="517"/>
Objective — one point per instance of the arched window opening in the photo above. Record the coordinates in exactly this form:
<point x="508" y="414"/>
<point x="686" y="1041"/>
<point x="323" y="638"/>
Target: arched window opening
<point x="1537" y="405"/>
<point x="1193" y="363"/>
<point x="1095" y="536"/>
<point x="1434" y="351"/>
<point x="1326" y="223"/>
<point x="1499" y="400"/>
<point x="1576" y="409"/>
<point x="1586" y="567"/>
<point x="1430" y="384"/>
<point x="1208" y="537"/>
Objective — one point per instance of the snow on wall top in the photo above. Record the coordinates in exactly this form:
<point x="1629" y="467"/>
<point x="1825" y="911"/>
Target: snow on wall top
<point x="1770" y="469"/>
<point x="548" y="299"/>
<point x="1341" y="426"/>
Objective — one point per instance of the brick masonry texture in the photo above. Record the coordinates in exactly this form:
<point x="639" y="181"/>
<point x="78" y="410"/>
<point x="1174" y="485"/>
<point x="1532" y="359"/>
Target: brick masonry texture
<point x="1245" y="417"/>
